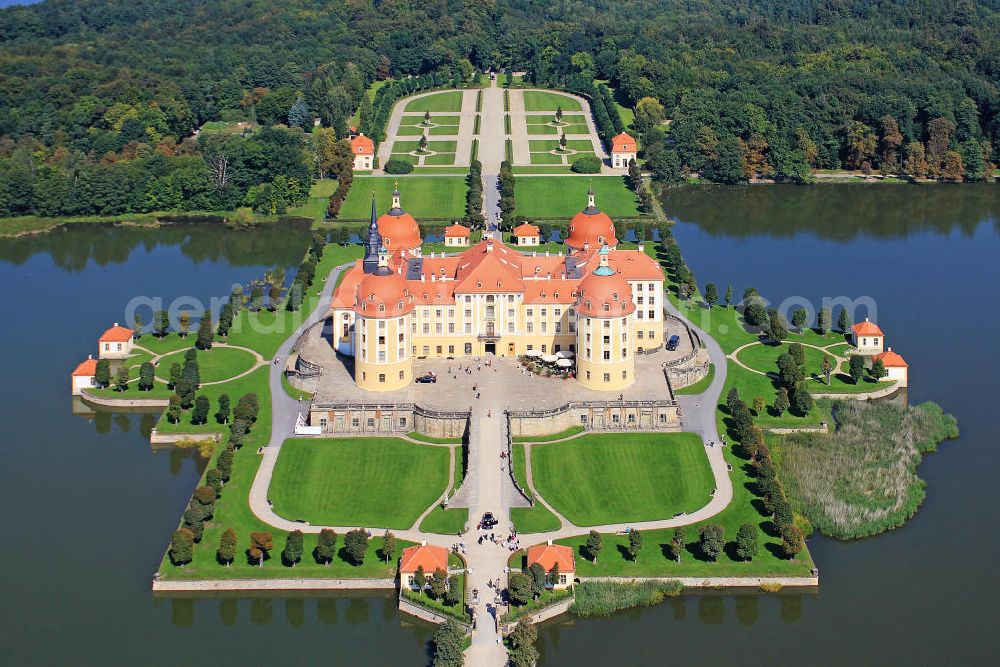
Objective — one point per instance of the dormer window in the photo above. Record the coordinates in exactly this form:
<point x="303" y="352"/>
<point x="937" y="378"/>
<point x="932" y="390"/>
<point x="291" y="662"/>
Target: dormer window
<point x="479" y="284"/>
<point x="371" y="297"/>
<point x="615" y="296"/>
<point x="556" y="295"/>
<point x="607" y="306"/>
<point x="381" y="308"/>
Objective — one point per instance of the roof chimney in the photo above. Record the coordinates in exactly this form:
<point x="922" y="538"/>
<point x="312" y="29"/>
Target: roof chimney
<point x="116" y="324"/>
<point x="423" y="543"/>
<point x="550" y="543"/>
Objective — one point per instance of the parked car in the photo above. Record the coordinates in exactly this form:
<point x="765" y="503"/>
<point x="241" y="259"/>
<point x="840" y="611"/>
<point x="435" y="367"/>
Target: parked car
<point x="429" y="378"/>
<point x="488" y="521"/>
<point x="673" y="342"/>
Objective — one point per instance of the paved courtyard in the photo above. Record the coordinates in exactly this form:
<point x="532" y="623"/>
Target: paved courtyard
<point x="461" y="378"/>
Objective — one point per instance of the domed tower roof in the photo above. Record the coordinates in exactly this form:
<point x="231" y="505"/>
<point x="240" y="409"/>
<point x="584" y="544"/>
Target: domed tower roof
<point x="591" y="227"/>
<point x="398" y="228"/>
<point x="383" y="293"/>
<point x="604" y="292"/>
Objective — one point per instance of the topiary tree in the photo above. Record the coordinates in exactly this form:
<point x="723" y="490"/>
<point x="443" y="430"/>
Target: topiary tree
<point x="634" y="544"/>
<point x="594" y="545"/>
<point x="146" y="376"/>
<point x="388" y="549"/>
<point x="712" y="540"/>
<point x="175" y="375"/>
<point x="781" y="402"/>
<point x="676" y="544"/>
<point x="292" y="552"/>
<point x="711" y="294"/>
<point x="326" y="546"/>
<point x="356" y="545"/>
<point x="226" y="553"/>
<point x="747" y="543"/>
<point x="260" y="545"/>
<point x="121" y="380"/>
<point x="102" y="373"/>
<point x="588" y="164"/>
<point x="206" y="334"/>
<point x="856" y="368"/>
<point x="181" y="547"/>
<point x="222" y="415"/>
<point x="200" y="413"/>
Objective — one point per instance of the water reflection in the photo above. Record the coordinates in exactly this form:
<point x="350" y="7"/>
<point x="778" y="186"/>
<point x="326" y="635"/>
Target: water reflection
<point x="71" y="249"/>
<point x="836" y="212"/>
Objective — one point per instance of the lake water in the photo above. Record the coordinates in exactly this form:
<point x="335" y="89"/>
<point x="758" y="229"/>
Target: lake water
<point x="90" y="507"/>
<point x="929" y="258"/>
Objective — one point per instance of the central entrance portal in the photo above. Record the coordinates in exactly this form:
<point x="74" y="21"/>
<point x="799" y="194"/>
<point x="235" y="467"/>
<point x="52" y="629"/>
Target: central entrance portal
<point x="491" y="348"/>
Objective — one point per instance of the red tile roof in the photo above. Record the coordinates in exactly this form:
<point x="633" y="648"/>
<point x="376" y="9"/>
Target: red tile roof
<point x="548" y="555"/>
<point x="623" y="143"/>
<point x="428" y="556"/>
<point x="866" y="328"/>
<point x="87" y="369"/>
<point x="362" y="145"/>
<point x="525" y="229"/>
<point x="541" y="278"/>
<point x="891" y="360"/>
<point x="460" y="231"/>
<point x="116" y="334"/>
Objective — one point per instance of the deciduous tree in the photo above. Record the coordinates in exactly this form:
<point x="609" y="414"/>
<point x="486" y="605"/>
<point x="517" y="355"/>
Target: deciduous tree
<point x="102" y="373"/>
<point x="205" y="333"/>
<point x="746" y="542"/>
<point x="594" y="545"/>
<point x="326" y="546"/>
<point x="222" y="415"/>
<point x="856" y="367"/>
<point x="634" y="544"/>
<point x="356" y="545"/>
<point x="260" y="545"/>
<point x="712" y="538"/>
<point x="388" y="548"/>
<point x="781" y="401"/>
<point x="711" y="294"/>
<point x="182" y="547"/>
<point x="676" y="544"/>
<point x="146" y="376"/>
<point x="292" y="552"/>
<point x="227" y="547"/>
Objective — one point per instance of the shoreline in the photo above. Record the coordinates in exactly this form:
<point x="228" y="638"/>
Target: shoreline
<point x="362" y="584"/>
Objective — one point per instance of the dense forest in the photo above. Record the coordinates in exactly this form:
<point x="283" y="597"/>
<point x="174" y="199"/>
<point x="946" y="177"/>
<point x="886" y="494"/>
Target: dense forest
<point x="100" y="99"/>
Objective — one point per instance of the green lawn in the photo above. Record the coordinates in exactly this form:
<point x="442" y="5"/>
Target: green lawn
<point x="537" y="519"/>
<point x="440" y="159"/>
<point x="544" y="158"/>
<point x="575" y="128"/>
<point x="422" y="197"/>
<point x="357" y="481"/>
<point x="445" y="522"/>
<point x="418" y="121"/>
<point x="542" y="170"/>
<point x="219" y="363"/>
<point x="540" y="100"/>
<point x="442" y="146"/>
<point x="409" y="131"/>
<point x="450" y="100"/>
<point x="556" y="196"/>
<point x="604" y="478"/>
<point x="699" y="386"/>
<point x="404" y="147"/>
<point x="372" y="89"/>
<point x="446" y="130"/>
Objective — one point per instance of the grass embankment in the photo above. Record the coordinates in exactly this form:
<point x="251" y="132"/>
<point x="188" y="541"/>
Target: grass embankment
<point x="562" y="197"/>
<point x="861" y="479"/>
<point x="604" y="598"/>
<point x="34" y="224"/>
<point x="380" y="482"/>
<point x="548" y="597"/>
<point x="456" y="611"/>
<point x="700" y="386"/>
<point x="549" y="437"/>
<point x="432" y="440"/>
<point x="604" y="478"/>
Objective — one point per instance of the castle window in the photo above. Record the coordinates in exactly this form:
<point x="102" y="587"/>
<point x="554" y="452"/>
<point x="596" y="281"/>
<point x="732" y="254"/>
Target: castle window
<point x="381" y="377"/>
<point x="607" y="378"/>
<point x="402" y="420"/>
<point x="607" y="355"/>
<point x="631" y="418"/>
